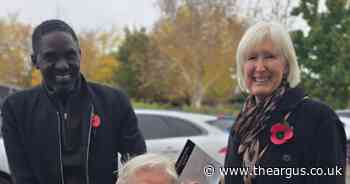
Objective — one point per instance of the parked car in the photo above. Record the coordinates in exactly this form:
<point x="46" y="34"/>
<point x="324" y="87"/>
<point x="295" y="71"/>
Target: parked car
<point x="346" y="120"/>
<point x="166" y="132"/>
<point x="344" y="113"/>
<point x="4" y="167"/>
<point x="223" y="122"/>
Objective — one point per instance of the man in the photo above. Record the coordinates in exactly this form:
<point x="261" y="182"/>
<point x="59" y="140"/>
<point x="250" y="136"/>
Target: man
<point x="150" y="168"/>
<point x="67" y="130"/>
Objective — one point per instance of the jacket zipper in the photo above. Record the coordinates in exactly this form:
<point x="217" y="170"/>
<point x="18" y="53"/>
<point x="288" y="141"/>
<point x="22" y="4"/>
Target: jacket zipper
<point x="88" y="146"/>
<point x="60" y="146"/>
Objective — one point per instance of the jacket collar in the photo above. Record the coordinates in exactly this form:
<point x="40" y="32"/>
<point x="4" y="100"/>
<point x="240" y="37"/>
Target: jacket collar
<point x="84" y="86"/>
<point x="44" y="98"/>
<point x="291" y="99"/>
<point x="76" y="90"/>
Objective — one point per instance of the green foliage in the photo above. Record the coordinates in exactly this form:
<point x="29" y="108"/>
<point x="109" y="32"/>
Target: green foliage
<point x="132" y="54"/>
<point x="213" y="110"/>
<point x="324" y="52"/>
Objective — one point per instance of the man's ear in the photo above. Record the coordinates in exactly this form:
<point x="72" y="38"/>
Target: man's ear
<point x="34" y="61"/>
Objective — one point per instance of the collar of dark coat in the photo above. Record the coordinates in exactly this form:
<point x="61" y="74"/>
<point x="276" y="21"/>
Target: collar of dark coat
<point x="291" y="99"/>
<point x="84" y="86"/>
<point x="75" y="91"/>
<point x="289" y="102"/>
<point x="97" y="106"/>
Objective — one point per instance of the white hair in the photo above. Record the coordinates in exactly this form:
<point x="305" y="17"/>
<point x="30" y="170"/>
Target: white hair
<point x="280" y="38"/>
<point x="147" y="161"/>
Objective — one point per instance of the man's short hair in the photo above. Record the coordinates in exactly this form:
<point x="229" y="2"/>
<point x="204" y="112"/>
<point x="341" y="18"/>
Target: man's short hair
<point x="145" y="162"/>
<point x="49" y="26"/>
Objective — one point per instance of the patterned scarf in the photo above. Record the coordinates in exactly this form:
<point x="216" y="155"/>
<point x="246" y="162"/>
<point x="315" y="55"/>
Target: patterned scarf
<point x="250" y="122"/>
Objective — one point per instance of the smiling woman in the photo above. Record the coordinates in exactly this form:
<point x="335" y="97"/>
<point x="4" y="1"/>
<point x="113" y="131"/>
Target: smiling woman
<point x="264" y="70"/>
<point x="279" y="126"/>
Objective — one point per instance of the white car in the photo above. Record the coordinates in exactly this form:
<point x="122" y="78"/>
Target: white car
<point x="166" y="132"/>
<point x="5" y="177"/>
<point x="344" y="113"/>
<point x="346" y="122"/>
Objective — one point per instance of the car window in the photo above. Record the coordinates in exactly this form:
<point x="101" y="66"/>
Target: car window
<point x="344" y="114"/>
<point x="153" y="127"/>
<point x="156" y="127"/>
<point x="0" y="124"/>
<point x="222" y="123"/>
<point x="183" y="128"/>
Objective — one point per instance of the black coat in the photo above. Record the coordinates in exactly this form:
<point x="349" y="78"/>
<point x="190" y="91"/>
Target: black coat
<point x="319" y="142"/>
<point x="31" y="133"/>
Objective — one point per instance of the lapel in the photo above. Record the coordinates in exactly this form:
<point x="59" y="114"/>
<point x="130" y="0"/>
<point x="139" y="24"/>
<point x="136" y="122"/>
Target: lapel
<point x="97" y="105"/>
<point x="292" y="98"/>
<point x="47" y="120"/>
<point x="44" y="125"/>
<point x="97" y="110"/>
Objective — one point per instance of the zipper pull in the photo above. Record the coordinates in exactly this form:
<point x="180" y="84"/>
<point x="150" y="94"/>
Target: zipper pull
<point x="65" y="116"/>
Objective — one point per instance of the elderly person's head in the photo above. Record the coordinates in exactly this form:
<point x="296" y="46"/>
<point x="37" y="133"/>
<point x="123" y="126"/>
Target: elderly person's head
<point x="148" y="169"/>
<point x="266" y="60"/>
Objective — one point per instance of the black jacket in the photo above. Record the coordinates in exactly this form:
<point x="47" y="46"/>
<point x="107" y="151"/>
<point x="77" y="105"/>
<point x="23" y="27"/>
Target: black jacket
<point x="319" y="142"/>
<point x="32" y="136"/>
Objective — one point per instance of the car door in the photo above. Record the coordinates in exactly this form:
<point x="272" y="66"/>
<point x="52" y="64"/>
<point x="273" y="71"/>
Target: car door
<point x="166" y="135"/>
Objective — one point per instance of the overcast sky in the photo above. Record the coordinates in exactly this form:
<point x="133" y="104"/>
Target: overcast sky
<point x="91" y="14"/>
<point x="84" y="14"/>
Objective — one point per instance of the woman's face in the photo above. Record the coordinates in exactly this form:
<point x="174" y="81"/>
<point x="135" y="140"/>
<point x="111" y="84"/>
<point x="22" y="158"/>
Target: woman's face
<point x="263" y="70"/>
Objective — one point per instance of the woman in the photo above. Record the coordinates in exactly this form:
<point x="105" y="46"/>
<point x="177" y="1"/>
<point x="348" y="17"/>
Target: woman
<point x="281" y="135"/>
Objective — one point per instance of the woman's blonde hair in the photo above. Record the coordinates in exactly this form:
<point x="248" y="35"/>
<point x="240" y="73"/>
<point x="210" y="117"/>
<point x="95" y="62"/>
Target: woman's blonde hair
<point x="280" y="38"/>
<point x="147" y="161"/>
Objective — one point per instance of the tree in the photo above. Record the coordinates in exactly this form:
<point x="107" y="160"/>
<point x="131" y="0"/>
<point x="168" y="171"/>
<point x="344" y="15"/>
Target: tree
<point x="198" y="43"/>
<point x="269" y="10"/>
<point x="324" y="52"/>
<point x="15" y="52"/>
<point x="132" y="55"/>
<point x="106" y="69"/>
<point x="97" y="60"/>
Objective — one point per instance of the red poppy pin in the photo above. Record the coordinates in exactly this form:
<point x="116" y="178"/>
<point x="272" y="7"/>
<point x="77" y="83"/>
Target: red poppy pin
<point x="95" y="121"/>
<point x="281" y="133"/>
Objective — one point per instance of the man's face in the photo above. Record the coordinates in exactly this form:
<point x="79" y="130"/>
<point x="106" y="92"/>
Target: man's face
<point x="58" y="59"/>
<point x="150" y="176"/>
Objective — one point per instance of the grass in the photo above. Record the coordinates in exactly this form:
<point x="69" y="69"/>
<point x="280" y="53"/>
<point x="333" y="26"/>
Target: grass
<point x="142" y="105"/>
